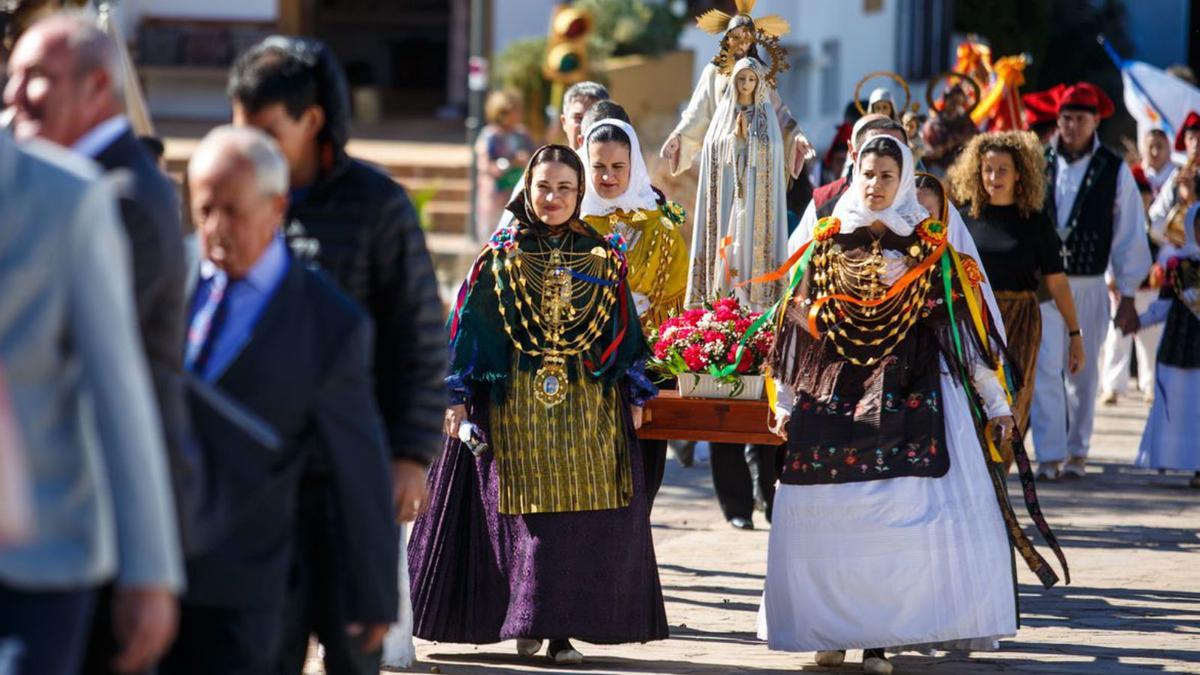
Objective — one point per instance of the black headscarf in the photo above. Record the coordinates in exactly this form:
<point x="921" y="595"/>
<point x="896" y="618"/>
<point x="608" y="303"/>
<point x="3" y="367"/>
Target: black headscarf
<point x="522" y="209"/>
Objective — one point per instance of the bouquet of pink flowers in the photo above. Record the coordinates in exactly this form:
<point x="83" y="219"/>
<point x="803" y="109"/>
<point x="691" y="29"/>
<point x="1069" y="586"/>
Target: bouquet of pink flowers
<point x="707" y="340"/>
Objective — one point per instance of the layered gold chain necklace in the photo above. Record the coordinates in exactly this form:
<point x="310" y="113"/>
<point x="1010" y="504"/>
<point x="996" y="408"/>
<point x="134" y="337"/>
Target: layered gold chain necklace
<point x="859" y="307"/>
<point x="562" y="301"/>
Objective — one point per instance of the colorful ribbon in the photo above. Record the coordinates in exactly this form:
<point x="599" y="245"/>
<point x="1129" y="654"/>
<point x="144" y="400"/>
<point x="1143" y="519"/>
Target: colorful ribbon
<point x="898" y="287"/>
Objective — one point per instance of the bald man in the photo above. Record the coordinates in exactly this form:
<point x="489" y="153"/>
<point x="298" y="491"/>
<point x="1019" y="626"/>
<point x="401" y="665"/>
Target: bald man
<point x="285" y="343"/>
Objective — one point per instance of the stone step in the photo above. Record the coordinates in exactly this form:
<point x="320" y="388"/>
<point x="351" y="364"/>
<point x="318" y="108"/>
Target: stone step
<point x="449" y="217"/>
<point x="402" y="160"/>
<point x="446" y="189"/>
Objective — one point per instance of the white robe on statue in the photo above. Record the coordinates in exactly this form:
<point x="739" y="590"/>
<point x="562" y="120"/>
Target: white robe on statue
<point x="739" y="228"/>
<point x="904" y="563"/>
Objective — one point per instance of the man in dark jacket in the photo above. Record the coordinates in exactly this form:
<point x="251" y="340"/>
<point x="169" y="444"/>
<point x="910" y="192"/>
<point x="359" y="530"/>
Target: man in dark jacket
<point x="294" y="352"/>
<point x="360" y="227"/>
<point x="66" y="87"/>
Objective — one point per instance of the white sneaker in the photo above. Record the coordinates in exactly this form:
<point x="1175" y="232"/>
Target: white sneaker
<point x="568" y="657"/>
<point x="831" y="658"/>
<point x="1049" y="471"/>
<point x="1076" y="467"/>
<point x="877" y="666"/>
<point x="528" y="648"/>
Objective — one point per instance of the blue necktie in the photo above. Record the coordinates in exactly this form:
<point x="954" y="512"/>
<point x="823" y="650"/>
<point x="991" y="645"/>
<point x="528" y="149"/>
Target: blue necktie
<point x="206" y="326"/>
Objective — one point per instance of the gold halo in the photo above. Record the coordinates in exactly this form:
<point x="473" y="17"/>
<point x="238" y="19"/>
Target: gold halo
<point x="963" y="77"/>
<point x="881" y="73"/>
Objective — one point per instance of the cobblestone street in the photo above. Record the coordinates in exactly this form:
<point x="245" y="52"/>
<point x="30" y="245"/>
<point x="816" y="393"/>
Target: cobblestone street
<point x="1134" y="605"/>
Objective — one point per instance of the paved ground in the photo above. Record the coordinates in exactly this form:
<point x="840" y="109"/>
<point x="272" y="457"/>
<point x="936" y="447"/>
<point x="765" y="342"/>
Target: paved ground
<point x="1130" y="535"/>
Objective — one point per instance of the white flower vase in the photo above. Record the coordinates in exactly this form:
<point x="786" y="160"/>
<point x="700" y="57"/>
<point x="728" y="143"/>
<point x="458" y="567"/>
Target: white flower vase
<point x="703" y="385"/>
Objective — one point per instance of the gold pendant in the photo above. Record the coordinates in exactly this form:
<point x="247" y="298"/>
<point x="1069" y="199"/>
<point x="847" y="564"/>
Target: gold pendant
<point x="550" y="382"/>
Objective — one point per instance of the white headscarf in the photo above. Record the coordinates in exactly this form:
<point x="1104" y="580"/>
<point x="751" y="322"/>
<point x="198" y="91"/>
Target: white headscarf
<point x="905" y="213"/>
<point x="722" y="132"/>
<point x="638" y="195"/>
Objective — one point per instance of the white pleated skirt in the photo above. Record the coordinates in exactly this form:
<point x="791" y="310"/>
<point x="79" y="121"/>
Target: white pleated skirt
<point x="904" y="564"/>
<point x="1169" y="441"/>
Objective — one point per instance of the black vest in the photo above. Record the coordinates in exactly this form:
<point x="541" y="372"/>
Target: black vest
<point x="1090" y="226"/>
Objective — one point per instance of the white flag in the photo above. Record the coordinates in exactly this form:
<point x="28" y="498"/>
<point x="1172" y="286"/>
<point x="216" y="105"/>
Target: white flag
<point x="1157" y="99"/>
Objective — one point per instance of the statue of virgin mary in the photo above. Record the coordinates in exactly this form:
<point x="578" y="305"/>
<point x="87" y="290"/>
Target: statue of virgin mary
<point x="740" y="222"/>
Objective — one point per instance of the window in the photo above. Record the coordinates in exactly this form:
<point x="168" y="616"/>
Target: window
<point x="831" y="77"/>
<point x="923" y="30"/>
<point x="795" y="85"/>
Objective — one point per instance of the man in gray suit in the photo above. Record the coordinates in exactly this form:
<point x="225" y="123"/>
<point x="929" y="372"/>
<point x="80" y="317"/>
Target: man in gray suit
<point x="82" y="397"/>
<point x="66" y="86"/>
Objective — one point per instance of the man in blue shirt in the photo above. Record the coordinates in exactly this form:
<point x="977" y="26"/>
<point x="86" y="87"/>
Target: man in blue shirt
<point x="295" y="352"/>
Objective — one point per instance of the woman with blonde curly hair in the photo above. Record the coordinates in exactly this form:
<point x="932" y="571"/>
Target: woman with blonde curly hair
<point x="999" y="184"/>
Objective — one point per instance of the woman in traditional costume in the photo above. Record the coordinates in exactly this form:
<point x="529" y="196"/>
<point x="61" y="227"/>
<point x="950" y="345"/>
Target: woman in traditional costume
<point x="740" y="222"/>
<point x="546" y="534"/>
<point x="887" y="531"/>
<point x="999" y="184"/>
<point x="1169" y="441"/>
<point x="621" y="199"/>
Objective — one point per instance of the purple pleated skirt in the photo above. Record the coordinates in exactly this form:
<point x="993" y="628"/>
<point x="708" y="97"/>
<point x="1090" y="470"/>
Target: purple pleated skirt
<point x="481" y="577"/>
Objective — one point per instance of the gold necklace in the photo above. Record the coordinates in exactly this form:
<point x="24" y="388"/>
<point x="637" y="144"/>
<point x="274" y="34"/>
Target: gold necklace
<point x="855" y="307"/>
<point x="556" y="293"/>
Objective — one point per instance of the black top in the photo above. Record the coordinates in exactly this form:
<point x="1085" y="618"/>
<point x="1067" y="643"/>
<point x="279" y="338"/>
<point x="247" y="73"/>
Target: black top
<point x="359" y="227"/>
<point x="1014" y="249"/>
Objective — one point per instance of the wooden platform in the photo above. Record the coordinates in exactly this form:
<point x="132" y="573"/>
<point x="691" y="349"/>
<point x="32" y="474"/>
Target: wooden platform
<point x="716" y="420"/>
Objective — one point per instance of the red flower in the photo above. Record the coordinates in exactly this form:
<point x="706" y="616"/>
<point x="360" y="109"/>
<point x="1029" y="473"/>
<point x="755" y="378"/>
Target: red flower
<point x="693" y="315"/>
<point x="741" y="325"/>
<point x="724" y="314"/>
<point x="851" y="459"/>
<point x="729" y="303"/>
<point x="694" y="357"/>
<point x="713" y="336"/>
<point x="661" y="349"/>
<point x="747" y="361"/>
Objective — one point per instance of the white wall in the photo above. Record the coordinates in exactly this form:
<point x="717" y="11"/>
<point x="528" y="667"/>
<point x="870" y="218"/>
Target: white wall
<point x="867" y="42"/>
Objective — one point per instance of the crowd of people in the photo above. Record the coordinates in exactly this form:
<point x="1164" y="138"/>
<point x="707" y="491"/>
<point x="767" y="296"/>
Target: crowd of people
<point x="226" y="430"/>
<point x="221" y="440"/>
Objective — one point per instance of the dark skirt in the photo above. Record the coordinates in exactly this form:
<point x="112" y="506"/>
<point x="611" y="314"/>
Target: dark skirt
<point x="481" y="577"/>
<point x="1023" y="325"/>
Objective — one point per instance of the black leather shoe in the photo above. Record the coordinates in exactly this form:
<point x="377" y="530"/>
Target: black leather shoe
<point x="742" y="523"/>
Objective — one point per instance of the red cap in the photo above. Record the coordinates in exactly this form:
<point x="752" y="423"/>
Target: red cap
<point x="1192" y="121"/>
<point x="1042" y="106"/>
<point x="1087" y="96"/>
<point x="839" y="140"/>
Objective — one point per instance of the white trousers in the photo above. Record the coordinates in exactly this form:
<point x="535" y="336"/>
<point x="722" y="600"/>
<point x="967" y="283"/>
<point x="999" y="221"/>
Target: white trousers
<point x="1118" y="349"/>
<point x="1064" y="405"/>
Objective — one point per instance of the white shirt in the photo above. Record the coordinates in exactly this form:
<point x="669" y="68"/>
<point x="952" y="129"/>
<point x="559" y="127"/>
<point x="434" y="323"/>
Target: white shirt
<point x="1129" y="262"/>
<point x="101" y="136"/>
<point x="1164" y="202"/>
<point x="1159" y="177"/>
